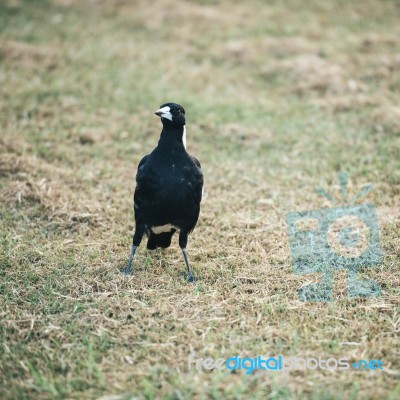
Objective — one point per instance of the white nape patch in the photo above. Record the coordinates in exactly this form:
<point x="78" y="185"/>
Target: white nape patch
<point x="165" y="113"/>
<point x="163" y="228"/>
<point x="184" y="136"/>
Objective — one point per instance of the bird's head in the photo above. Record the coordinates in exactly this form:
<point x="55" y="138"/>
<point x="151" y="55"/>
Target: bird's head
<point x="172" y="114"/>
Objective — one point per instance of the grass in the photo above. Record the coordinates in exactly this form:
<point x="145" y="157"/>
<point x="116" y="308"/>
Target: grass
<point x="280" y="96"/>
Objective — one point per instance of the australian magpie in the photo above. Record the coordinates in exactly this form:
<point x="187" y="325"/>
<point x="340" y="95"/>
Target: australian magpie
<point x="169" y="184"/>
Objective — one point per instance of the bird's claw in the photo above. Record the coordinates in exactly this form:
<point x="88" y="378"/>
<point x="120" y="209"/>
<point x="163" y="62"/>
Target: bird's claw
<point x="191" y="278"/>
<point x="126" y="271"/>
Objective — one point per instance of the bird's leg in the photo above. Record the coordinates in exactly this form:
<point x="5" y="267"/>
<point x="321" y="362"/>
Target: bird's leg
<point x="127" y="270"/>
<point x="189" y="269"/>
<point x="183" y="237"/>
<point x="137" y="238"/>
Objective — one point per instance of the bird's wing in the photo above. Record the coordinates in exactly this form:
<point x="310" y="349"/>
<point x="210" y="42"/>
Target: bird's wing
<point x="201" y="183"/>
<point x="143" y="161"/>
<point x="137" y="197"/>
<point x="196" y="161"/>
<point x="196" y="194"/>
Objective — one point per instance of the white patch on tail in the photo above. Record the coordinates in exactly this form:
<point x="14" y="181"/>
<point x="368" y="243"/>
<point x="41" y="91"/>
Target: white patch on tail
<point x="162" y="229"/>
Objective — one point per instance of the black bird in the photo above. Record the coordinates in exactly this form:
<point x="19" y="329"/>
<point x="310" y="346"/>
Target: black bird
<point x="169" y="185"/>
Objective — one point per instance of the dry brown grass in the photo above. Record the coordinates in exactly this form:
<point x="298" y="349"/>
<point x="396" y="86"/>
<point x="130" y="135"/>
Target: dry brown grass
<point x="280" y="97"/>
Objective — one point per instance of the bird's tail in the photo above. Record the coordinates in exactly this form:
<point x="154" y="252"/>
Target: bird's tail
<point x="160" y="240"/>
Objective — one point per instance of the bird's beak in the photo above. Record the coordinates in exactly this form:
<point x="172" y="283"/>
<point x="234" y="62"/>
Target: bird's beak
<point x="164" y="113"/>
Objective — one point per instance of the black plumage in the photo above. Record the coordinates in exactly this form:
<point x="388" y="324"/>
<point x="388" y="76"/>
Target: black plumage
<point x="169" y="184"/>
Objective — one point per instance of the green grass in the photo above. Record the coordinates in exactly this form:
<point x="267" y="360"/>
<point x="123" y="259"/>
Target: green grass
<point x="280" y="96"/>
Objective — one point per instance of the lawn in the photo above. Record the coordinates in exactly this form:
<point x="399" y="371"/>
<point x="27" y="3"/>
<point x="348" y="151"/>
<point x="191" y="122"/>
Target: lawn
<point x="280" y="97"/>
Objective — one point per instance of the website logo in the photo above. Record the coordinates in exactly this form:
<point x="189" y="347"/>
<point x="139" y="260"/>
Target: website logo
<point x="280" y="363"/>
<point x="338" y="238"/>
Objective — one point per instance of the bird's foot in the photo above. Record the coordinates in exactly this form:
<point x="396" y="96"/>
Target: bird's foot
<point x="126" y="271"/>
<point x="191" y="278"/>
